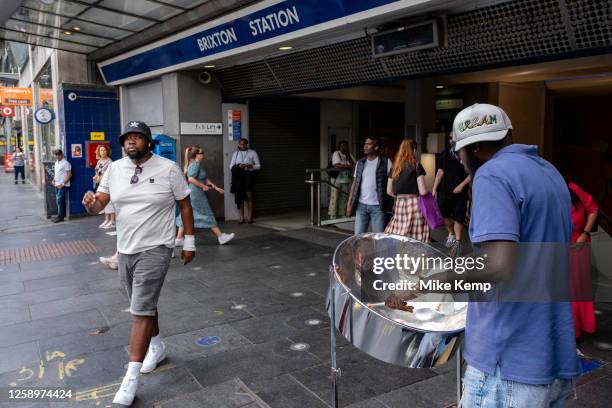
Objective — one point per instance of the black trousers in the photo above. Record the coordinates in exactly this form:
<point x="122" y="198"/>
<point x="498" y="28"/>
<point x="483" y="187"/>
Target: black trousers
<point x="19" y="170"/>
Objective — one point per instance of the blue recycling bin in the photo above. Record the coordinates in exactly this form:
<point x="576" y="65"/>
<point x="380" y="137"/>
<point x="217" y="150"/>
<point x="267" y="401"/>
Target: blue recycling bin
<point x="165" y="146"/>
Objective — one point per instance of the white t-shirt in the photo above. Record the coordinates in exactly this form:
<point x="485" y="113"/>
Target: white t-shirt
<point x="145" y="210"/>
<point x="248" y="156"/>
<point x="61" y="169"/>
<point x="368" y="195"/>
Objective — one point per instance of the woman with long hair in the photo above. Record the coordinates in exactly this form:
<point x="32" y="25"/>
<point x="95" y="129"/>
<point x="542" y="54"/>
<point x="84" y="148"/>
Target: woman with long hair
<point x="199" y="183"/>
<point x="103" y="154"/>
<point x="407" y="181"/>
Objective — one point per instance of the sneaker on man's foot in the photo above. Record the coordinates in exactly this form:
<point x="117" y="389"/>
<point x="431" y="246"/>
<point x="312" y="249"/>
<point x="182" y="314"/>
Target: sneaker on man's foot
<point x="110" y="261"/>
<point x="155" y="355"/>
<point x="450" y="240"/>
<point x="225" y="238"/>
<point x="127" y="391"/>
<point x="179" y="242"/>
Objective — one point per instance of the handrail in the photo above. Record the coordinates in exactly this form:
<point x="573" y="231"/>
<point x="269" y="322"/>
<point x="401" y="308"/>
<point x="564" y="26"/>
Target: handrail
<point x="315" y="193"/>
<point x="325" y="170"/>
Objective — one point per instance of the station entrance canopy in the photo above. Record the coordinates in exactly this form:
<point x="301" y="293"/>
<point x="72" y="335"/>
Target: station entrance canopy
<point x="84" y="26"/>
<point x="260" y="25"/>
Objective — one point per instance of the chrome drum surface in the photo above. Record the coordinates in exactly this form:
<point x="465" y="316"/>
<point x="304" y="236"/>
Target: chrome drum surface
<point x="427" y="337"/>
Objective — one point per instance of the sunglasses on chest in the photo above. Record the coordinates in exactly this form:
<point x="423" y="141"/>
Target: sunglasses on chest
<point x="137" y="172"/>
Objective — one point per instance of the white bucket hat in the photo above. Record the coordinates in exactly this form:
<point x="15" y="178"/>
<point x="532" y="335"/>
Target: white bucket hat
<point x="478" y="123"/>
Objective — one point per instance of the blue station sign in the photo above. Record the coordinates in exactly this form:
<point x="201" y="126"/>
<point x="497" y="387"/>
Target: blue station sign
<point x="260" y="25"/>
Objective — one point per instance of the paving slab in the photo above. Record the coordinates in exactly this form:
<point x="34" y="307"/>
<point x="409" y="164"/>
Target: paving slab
<point x="372" y="376"/>
<point x="77" y="304"/>
<point x="436" y="392"/>
<point x="283" y="324"/>
<point x="205" y="342"/>
<point x="229" y="394"/>
<point x="287" y="392"/>
<point x="251" y="363"/>
<point x="50" y="327"/>
<point x="18" y="356"/>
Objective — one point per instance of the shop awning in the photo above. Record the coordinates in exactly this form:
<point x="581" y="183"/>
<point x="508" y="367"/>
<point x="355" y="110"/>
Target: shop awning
<point x="84" y="26"/>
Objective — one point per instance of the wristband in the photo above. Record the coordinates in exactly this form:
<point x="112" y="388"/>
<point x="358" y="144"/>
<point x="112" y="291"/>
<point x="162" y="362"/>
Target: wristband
<point x="189" y="243"/>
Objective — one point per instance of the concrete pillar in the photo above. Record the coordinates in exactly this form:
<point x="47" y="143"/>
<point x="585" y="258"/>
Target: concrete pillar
<point x="199" y="103"/>
<point x="420" y="108"/>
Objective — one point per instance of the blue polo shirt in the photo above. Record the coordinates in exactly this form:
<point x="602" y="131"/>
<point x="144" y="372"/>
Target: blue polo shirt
<point x="518" y="196"/>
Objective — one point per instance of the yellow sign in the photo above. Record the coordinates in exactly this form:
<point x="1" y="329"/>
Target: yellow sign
<point x="97" y="135"/>
<point x="16" y="96"/>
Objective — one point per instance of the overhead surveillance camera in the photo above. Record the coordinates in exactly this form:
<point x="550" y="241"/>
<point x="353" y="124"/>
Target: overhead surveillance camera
<point x="205" y="78"/>
<point x="72" y="97"/>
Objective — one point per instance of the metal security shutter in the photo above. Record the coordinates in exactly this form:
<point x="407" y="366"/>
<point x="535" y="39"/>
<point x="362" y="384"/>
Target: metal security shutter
<point x="285" y="134"/>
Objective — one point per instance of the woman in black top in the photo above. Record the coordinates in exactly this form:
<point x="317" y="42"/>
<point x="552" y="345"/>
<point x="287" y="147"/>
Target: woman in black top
<point x="407" y="181"/>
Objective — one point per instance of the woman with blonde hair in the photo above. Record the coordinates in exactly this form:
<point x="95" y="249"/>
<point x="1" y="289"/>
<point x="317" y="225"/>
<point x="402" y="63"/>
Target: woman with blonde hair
<point x="103" y="155"/>
<point x="199" y="183"/>
<point x="406" y="182"/>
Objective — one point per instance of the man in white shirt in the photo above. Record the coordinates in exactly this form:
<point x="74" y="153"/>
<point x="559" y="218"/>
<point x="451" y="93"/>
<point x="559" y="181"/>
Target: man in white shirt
<point x="244" y="163"/>
<point x="144" y="189"/>
<point x="369" y="189"/>
<point x="341" y="182"/>
<point x="61" y="182"/>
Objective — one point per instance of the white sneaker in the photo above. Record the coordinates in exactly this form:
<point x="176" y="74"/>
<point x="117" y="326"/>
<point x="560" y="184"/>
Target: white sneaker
<point x="103" y="225"/>
<point x="109" y="225"/>
<point x="155" y="355"/>
<point x="179" y="242"/>
<point x="450" y="240"/>
<point x="110" y="261"/>
<point x="127" y="391"/>
<point x="225" y="238"/>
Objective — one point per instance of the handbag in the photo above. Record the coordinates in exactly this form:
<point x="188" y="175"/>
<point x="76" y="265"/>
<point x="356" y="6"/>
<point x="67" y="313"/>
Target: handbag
<point x="429" y="208"/>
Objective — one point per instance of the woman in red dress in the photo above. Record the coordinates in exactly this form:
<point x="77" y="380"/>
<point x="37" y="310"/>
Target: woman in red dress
<point x="584" y="216"/>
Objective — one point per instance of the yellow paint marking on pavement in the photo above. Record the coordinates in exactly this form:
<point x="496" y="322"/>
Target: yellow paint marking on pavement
<point x="55" y="354"/>
<point x="108" y="390"/>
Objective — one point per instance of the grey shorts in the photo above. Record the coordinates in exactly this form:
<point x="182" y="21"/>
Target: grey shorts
<point x="143" y="275"/>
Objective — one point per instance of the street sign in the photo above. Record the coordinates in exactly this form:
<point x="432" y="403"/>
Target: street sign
<point x="204" y="128"/>
<point x="44" y="116"/>
<point x="16" y="96"/>
<point x="7" y="111"/>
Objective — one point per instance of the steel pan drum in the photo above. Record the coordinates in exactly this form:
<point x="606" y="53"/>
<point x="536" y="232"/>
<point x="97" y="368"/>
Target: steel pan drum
<point x="427" y="337"/>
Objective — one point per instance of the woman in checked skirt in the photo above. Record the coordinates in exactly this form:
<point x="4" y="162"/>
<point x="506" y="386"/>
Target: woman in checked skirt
<point x="407" y="180"/>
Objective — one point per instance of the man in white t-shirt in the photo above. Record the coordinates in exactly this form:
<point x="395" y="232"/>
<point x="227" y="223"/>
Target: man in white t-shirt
<point x="61" y="182"/>
<point x="369" y="189"/>
<point x="144" y="188"/>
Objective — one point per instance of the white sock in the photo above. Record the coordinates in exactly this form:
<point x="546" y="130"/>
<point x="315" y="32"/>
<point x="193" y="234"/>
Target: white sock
<point x="134" y="369"/>
<point x="156" y="341"/>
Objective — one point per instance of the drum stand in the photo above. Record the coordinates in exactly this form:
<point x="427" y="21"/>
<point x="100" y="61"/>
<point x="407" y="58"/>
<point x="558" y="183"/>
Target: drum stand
<point x="335" y="370"/>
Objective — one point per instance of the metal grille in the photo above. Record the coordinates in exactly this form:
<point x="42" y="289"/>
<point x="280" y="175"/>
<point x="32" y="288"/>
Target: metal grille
<point x="510" y="33"/>
<point x="591" y="21"/>
<point x="46" y="251"/>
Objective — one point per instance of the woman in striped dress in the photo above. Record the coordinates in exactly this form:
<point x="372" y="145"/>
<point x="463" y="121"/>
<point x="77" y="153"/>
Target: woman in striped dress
<point x="407" y="180"/>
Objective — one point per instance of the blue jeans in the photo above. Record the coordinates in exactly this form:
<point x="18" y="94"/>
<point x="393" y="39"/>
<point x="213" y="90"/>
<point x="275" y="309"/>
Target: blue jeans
<point x="365" y="214"/>
<point x="60" y="200"/>
<point x="481" y="390"/>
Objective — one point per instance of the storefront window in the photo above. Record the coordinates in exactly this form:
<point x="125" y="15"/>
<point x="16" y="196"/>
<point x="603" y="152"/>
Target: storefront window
<point x="44" y="89"/>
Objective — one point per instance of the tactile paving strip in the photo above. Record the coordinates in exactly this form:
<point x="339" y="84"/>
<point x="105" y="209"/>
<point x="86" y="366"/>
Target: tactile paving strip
<point x="46" y="251"/>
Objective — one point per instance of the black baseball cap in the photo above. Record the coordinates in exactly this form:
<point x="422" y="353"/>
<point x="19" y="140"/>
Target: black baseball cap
<point x="135" y="126"/>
